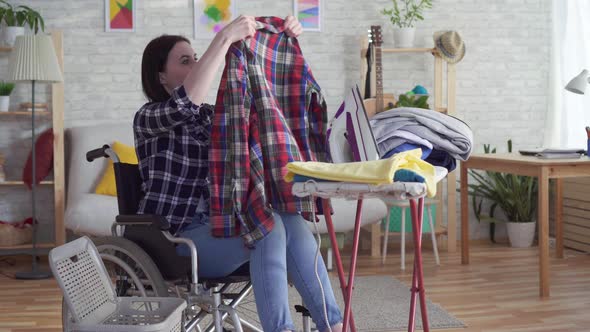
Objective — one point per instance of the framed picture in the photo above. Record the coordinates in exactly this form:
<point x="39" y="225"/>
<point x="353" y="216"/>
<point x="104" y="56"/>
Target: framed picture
<point x="308" y="12"/>
<point x="119" y="15"/>
<point x="211" y="16"/>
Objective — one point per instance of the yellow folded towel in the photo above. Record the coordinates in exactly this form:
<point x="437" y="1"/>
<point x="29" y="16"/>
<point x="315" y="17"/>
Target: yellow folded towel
<point x="372" y="172"/>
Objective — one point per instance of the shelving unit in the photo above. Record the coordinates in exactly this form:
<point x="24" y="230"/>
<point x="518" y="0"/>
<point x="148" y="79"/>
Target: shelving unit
<point x="58" y="182"/>
<point x="25" y="113"/>
<point x="450" y="230"/>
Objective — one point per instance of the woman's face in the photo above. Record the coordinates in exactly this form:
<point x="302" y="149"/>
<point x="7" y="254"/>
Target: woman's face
<point x="180" y="61"/>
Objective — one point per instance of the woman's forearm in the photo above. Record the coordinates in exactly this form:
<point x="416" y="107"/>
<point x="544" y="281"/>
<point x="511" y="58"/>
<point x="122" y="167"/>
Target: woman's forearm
<point x="199" y="80"/>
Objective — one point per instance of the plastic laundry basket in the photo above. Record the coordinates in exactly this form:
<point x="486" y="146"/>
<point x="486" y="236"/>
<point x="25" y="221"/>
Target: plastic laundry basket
<point x="92" y="300"/>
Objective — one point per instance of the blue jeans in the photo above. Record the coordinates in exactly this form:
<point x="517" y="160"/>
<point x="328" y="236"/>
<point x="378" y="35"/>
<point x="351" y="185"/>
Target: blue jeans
<point x="286" y="253"/>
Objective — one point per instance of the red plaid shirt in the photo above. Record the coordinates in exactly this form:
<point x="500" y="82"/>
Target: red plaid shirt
<point x="269" y="112"/>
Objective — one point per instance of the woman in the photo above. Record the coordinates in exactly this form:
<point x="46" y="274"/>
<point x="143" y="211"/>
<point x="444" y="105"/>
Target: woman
<point x="172" y="136"/>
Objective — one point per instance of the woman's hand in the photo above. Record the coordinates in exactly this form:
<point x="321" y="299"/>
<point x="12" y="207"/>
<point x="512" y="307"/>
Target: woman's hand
<point x="292" y="26"/>
<point x="241" y="28"/>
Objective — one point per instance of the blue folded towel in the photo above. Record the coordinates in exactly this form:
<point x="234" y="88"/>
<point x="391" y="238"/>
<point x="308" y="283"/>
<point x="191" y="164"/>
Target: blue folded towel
<point x="401" y="175"/>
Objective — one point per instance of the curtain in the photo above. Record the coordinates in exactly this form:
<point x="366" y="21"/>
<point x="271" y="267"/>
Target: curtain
<point x="568" y="113"/>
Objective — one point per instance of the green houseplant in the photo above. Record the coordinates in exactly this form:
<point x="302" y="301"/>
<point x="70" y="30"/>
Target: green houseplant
<point x="411" y="100"/>
<point x="16" y="18"/>
<point x="5" y="91"/>
<point x="515" y="195"/>
<point x="403" y="16"/>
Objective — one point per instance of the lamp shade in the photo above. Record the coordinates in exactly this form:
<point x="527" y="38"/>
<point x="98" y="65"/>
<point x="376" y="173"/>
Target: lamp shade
<point x="33" y="59"/>
<point x="578" y="83"/>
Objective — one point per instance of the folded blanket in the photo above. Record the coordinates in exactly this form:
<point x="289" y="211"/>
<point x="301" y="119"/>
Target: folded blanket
<point x="445" y="132"/>
<point x="371" y="172"/>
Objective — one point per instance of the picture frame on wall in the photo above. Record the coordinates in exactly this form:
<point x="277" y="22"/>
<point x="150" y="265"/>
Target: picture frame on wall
<point x="210" y="16"/>
<point x="309" y="13"/>
<point x="120" y="15"/>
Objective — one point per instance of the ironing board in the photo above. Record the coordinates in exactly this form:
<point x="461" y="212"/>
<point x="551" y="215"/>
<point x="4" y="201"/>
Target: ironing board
<point x="397" y="191"/>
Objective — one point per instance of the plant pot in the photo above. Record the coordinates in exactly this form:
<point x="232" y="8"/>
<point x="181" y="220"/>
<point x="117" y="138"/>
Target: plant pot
<point x="403" y="37"/>
<point x="9" y="35"/>
<point x="4" y="103"/>
<point x="521" y="234"/>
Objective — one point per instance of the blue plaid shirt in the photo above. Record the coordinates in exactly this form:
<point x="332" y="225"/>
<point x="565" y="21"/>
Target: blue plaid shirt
<point x="172" y="145"/>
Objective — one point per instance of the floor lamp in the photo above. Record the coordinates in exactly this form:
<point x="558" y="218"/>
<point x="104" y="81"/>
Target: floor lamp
<point x="33" y="59"/>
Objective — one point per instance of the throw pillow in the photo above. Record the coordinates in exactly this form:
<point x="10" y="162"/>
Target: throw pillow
<point x="43" y="159"/>
<point x="107" y="185"/>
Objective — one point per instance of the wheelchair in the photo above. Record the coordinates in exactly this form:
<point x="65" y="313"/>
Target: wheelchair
<point x="141" y="260"/>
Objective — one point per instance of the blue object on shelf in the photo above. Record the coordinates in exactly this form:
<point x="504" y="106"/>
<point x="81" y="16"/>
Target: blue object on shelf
<point x="420" y="90"/>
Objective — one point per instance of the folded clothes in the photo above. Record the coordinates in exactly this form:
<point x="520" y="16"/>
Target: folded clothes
<point x="445" y="132"/>
<point x="401" y="175"/>
<point x="408" y="146"/>
<point x="371" y="172"/>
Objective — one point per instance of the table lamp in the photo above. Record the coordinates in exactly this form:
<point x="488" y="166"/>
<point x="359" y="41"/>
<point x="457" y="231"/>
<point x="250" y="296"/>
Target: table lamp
<point x="33" y="59"/>
<point x="578" y="83"/>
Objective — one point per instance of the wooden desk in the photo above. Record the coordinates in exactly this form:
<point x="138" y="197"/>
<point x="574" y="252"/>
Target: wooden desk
<point x="543" y="169"/>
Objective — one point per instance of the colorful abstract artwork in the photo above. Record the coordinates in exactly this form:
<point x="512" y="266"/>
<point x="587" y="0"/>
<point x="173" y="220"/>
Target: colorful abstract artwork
<point x="120" y="15"/>
<point x="309" y="14"/>
<point x="212" y="15"/>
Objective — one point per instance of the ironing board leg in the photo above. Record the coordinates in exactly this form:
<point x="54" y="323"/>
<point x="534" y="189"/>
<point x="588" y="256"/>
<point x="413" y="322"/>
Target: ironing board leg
<point x="346" y="290"/>
<point x="418" y="275"/>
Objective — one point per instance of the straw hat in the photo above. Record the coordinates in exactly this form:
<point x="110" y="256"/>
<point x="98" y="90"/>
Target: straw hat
<point x="450" y="46"/>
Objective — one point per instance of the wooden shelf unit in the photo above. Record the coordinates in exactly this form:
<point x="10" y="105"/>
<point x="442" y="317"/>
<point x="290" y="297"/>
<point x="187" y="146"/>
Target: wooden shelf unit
<point x="28" y="246"/>
<point x="21" y="183"/>
<point x="25" y="113"/>
<point x="451" y="179"/>
<point x="58" y="182"/>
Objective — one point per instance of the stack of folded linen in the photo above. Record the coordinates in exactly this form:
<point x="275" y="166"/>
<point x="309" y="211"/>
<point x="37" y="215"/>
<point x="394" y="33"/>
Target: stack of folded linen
<point x="442" y="138"/>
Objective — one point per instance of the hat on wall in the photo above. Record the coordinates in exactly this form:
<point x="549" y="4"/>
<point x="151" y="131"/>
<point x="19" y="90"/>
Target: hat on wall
<point x="449" y="45"/>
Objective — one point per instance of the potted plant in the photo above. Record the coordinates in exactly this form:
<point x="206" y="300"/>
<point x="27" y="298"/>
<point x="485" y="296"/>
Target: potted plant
<point x="5" y="91"/>
<point x="411" y="99"/>
<point x="515" y="195"/>
<point x="403" y="16"/>
<point x="16" y="18"/>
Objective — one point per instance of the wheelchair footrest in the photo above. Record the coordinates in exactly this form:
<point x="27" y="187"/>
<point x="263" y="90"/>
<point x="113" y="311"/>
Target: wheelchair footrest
<point x="303" y="310"/>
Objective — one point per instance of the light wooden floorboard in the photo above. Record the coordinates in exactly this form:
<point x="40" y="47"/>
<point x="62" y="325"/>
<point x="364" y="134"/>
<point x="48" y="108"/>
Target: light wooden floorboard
<point x="498" y="292"/>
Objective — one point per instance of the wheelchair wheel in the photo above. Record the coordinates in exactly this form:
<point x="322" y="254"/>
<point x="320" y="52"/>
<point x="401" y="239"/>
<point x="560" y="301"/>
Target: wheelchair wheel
<point x="125" y="262"/>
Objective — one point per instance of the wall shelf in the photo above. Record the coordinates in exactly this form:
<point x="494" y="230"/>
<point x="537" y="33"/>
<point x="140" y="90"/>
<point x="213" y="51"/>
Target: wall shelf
<point x="25" y="113"/>
<point x="28" y="246"/>
<point x="5" y="49"/>
<point x="21" y="183"/>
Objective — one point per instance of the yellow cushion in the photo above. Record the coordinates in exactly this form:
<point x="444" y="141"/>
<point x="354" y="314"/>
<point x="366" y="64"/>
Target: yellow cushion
<point x="127" y="155"/>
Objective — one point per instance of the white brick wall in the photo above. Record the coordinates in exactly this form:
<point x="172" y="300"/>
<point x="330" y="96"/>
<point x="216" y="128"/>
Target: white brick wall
<point x="501" y="83"/>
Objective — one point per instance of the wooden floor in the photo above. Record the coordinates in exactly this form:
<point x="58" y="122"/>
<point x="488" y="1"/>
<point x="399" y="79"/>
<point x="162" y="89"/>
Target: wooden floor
<point x="497" y="292"/>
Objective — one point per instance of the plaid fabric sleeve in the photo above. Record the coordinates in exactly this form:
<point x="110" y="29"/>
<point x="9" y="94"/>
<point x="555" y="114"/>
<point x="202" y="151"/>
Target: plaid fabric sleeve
<point x="157" y="118"/>
<point x="227" y="140"/>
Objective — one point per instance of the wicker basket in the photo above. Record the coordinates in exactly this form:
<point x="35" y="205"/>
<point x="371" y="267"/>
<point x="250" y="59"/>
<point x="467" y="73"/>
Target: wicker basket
<point x="13" y="236"/>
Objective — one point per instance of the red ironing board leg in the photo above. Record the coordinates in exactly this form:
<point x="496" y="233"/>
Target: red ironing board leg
<point x="346" y="289"/>
<point x="418" y="275"/>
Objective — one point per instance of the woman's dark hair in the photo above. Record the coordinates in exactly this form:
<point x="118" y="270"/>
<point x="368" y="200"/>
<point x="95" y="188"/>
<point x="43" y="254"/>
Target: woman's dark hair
<point x="154" y="62"/>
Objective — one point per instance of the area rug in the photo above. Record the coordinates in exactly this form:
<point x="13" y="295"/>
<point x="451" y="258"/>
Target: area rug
<point x="380" y="303"/>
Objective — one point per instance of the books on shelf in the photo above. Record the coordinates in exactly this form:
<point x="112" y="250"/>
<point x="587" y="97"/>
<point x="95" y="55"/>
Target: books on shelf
<point x="553" y="153"/>
<point x="28" y="107"/>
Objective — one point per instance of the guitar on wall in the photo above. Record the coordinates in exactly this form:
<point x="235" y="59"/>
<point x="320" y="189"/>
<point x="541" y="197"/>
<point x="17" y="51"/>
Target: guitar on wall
<point x="380" y="102"/>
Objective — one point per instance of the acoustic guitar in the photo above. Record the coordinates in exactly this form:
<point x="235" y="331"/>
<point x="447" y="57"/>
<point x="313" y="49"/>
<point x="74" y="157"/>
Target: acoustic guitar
<point x="380" y="102"/>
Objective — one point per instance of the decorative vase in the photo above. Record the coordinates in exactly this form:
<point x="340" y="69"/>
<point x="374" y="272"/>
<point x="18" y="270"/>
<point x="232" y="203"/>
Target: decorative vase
<point x="9" y="35"/>
<point x="404" y="37"/>
<point x="521" y="234"/>
<point x="4" y="103"/>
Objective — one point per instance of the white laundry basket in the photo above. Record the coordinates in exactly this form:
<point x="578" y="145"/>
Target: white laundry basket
<point x="92" y="300"/>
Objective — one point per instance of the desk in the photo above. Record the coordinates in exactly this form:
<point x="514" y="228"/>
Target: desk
<point x="543" y="169"/>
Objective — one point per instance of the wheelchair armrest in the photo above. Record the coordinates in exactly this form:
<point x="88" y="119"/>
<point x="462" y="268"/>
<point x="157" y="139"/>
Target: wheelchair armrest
<point x="159" y="222"/>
